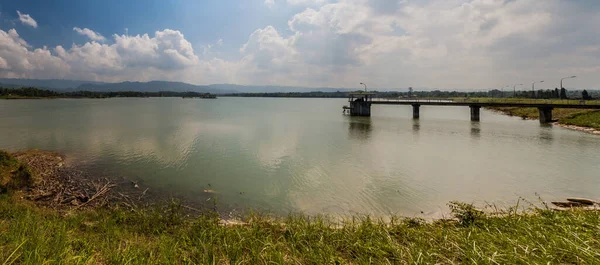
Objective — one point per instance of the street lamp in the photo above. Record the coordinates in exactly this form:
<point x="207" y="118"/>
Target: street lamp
<point x="533" y="88"/>
<point x="565" y="78"/>
<point x="515" y="90"/>
<point x="365" y="86"/>
<point x="502" y="91"/>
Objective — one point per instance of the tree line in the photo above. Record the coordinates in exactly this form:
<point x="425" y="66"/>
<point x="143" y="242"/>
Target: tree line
<point x="32" y="92"/>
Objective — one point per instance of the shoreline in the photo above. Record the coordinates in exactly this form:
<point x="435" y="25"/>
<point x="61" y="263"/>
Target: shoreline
<point x="55" y="181"/>
<point x="102" y="225"/>
<point x="52" y="180"/>
<point x="578" y="128"/>
<point x="558" y="123"/>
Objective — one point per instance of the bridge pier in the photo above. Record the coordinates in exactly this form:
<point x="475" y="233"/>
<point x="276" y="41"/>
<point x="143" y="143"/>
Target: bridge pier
<point x="416" y="108"/>
<point x="360" y="108"/>
<point x="475" y="112"/>
<point x="545" y="114"/>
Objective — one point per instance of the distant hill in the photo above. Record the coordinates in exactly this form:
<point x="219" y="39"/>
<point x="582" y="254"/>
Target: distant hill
<point x="61" y="85"/>
<point x="274" y="89"/>
<point x="52" y="84"/>
<point x="152" y="86"/>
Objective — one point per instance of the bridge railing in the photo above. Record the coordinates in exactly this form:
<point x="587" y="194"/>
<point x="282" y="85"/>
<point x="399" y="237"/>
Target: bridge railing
<point x="489" y="100"/>
<point x="415" y="100"/>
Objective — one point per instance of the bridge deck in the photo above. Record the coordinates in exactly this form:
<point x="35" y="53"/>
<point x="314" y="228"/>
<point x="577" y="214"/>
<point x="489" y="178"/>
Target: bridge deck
<point x="437" y="102"/>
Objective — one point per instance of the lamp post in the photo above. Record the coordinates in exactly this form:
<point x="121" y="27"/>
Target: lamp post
<point x="515" y="90"/>
<point x="503" y="90"/>
<point x="565" y="78"/>
<point x="533" y="88"/>
<point x="365" y="86"/>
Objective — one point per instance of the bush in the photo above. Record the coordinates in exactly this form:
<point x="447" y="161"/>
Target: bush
<point x="21" y="178"/>
<point x="13" y="175"/>
<point x="465" y="213"/>
<point x="6" y="159"/>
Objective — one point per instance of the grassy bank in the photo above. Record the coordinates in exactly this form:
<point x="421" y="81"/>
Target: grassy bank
<point x="588" y="118"/>
<point x="31" y="235"/>
<point x="114" y="234"/>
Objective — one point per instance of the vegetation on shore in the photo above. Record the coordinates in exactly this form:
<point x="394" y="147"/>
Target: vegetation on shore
<point x="576" y="117"/>
<point x="32" y="235"/>
<point x="585" y="119"/>
<point x="589" y="118"/>
<point x="34" y="93"/>
<point x="165" y="234"/>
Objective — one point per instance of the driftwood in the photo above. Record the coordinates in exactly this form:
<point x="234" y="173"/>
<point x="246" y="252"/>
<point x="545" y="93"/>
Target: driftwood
<point x="100" y="191"/>
<point x="582" y="201"/>
<point x="568" y="204"/>
<point x="62" y="186"/>
<point x="57" y="185"/>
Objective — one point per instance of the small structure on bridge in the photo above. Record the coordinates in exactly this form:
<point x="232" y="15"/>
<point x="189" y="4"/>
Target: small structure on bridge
<point x="360" y="103"/>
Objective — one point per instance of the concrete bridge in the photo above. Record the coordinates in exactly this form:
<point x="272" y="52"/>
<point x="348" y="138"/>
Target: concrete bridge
<point x="360" y="105"/>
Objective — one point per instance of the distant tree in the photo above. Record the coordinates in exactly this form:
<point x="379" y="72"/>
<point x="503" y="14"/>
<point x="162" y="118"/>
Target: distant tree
<point x="585" y="95"/>
<point x="563" y="93"/>
<point x="555" y="93"/>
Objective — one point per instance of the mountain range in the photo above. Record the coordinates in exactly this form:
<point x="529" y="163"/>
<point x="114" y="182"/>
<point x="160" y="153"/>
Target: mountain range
<point x="62" y="85"/>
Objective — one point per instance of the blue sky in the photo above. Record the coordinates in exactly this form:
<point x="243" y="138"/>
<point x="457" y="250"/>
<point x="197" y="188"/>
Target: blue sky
<point x="447" y="44"/>
<point x="202" y="22"/>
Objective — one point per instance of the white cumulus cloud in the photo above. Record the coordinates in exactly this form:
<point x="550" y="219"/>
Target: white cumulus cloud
<point x="19" y="61"/>
<point x="446" y="44"/>
<point x="90" y="34"/>
<point x="26" y="19"/>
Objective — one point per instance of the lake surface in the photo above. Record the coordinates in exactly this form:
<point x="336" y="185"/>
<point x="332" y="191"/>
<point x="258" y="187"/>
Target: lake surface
<point x="302" y="155"/>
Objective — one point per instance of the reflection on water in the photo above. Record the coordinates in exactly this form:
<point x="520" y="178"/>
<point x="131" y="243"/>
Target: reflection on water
<point x="360" y="127"/>
<point x="278" y="155"/>
<point x="475" y="129"/>
<point x="416" y="125"/>
<point x="546" y="132"/>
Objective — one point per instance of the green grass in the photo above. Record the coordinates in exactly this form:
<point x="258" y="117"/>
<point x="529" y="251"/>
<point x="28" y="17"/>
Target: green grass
<point x="589" y="119"/>
<point x="167" y="235"/>
<point x="580" y="117"/>
<point x="30" y="235"/>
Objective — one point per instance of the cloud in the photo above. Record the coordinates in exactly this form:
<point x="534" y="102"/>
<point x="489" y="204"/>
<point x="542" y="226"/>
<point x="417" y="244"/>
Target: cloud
<point x="449" y="44"/>
<point x="306" y="2"/>
<point x="130" y="57"/>
<point x="90" y="34"/>
<point x="26" y="19"/>
<point x="19" y="61"/>
<point x="270" y="3"/>
<point x="140" y="56"/>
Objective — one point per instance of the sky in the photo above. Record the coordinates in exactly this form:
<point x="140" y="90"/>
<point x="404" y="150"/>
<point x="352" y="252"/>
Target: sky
<point x="388" y="44"/>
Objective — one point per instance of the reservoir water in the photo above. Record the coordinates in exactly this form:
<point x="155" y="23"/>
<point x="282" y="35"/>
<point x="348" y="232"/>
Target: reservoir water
<point x="302" y="155"/>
